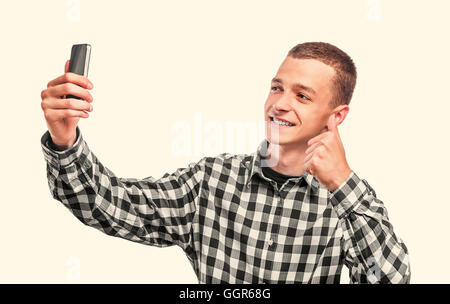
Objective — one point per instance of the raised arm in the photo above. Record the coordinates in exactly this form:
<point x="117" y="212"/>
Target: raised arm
<point x="152" y="211"/>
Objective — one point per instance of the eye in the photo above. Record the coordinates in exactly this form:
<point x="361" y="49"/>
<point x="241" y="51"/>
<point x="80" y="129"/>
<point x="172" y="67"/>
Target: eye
<point x="275" y="87"/>
<point x="303" y="97"/>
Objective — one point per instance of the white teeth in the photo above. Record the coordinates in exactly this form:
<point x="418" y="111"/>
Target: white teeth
<point x="280" y="122"/>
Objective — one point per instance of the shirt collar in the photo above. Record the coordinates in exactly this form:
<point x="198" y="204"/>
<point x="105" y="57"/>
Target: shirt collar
<point x="254" y="166"/>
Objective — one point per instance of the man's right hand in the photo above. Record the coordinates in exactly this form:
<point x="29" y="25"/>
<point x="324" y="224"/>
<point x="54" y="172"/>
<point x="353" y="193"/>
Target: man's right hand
<point x="62" y="115"/>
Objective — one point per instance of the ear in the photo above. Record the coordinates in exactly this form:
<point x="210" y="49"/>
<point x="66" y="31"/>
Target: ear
<point x="337" y="116"/>
<point x="340" y="113"/>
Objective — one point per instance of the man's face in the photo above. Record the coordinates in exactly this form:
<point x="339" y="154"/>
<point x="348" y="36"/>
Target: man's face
<point x="300" y="94"/>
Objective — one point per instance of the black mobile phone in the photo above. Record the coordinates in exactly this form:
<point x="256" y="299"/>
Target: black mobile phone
<point x="79" y="61"/>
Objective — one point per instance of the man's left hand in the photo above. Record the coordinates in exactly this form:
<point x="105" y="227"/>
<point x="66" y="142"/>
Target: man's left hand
<point x="325" y="157"/>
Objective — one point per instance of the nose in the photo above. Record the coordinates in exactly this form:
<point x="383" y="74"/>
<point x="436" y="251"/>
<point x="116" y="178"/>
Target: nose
<point x="282" y="104"/>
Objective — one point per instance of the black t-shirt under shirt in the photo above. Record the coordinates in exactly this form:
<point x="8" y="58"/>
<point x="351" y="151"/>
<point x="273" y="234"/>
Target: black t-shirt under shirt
<point x="276" y="176"/>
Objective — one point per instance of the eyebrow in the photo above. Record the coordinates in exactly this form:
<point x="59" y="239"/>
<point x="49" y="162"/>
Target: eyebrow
<point x="296" y="85"/>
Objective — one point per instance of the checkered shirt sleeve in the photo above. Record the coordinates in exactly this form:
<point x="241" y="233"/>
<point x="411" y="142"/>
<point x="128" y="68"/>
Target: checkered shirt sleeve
<point x="152" y="211"/>
<point x="373" y="253"/>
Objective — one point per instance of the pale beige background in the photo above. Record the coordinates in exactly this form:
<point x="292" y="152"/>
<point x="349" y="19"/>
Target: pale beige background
<point x="157" y="62"/>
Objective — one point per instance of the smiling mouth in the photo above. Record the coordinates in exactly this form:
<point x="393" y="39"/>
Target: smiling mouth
<point x="280" y="122"/>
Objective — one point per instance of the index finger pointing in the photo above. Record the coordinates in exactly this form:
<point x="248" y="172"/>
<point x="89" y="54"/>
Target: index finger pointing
<point x="317" y="138"/>
<point x="332" y="123"/>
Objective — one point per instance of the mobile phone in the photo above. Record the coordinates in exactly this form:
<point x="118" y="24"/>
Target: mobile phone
<point x="79" y="61"/>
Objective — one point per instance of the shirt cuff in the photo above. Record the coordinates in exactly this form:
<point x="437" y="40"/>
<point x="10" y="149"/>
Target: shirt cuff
<point x="348" y="195"/>
<point x="57" y="159"/>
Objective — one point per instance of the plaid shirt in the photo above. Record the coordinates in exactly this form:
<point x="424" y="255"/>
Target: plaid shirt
<point x="234" y="224"/>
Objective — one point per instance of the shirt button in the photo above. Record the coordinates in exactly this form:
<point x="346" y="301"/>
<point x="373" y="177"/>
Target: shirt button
<point x="270" y="242"/>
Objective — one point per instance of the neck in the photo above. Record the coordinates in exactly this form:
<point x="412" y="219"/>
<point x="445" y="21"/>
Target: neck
<point x="290" y="158"/>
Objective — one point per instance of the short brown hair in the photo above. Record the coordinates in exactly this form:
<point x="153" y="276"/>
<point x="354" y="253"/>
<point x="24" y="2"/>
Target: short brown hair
<point x="345" y="80"/>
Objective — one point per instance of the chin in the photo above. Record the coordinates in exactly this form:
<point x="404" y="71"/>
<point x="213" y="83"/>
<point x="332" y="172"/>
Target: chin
<point x="284" y="138"/>
<point x="280" y="141"/>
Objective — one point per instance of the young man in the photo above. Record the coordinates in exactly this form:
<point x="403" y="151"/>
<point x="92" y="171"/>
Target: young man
<point x="292" y="212"/>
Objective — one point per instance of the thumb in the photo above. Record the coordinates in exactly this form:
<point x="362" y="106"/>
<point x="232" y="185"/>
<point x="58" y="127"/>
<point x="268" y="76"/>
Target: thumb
<point x="332" y="123"/>
<point x="66" y="67"/>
